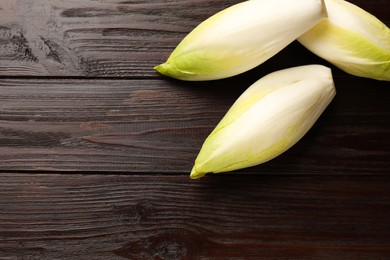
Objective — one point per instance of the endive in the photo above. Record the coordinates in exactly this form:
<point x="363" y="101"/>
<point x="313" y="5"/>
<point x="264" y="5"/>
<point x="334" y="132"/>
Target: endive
<point x="267" y="119"/>
<point x="240" y="38"/>
<point x="352" y="39"/>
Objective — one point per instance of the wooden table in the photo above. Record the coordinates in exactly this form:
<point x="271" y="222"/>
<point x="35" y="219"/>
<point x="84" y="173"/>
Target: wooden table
<point x="96" y="147"/>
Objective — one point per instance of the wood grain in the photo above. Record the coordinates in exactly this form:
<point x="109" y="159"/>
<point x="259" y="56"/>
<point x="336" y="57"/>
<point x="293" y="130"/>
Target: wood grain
<point x="225" y="217"/>
<point x="109" y="38"/>
<point x="94" y="38"/>
<point x="156" y="126"/>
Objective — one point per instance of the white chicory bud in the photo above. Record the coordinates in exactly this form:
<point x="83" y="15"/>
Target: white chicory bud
<point x="267" y="119"/>
<point x="240" y="38"/>
<point x="352" y="39"/>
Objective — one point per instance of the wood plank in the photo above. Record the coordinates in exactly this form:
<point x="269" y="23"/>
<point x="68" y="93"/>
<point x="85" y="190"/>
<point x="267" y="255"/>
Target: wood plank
<point x="221" y="217"/>
<point x="94" y="38"/>
<point x="111" y="38"/>
<point x="157" y="126"/>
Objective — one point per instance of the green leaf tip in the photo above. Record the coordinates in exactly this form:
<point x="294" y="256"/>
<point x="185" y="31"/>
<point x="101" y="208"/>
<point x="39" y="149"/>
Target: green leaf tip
<point x="195" y="174"/>
<point x="164" y="69"/>
<point x="169" y="70"/>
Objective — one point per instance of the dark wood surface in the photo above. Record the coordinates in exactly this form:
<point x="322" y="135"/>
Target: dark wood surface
<point x="96" y="147"/>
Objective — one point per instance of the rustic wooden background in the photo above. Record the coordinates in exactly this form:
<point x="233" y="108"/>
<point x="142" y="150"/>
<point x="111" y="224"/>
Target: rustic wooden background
<point x="96" y="147"/>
